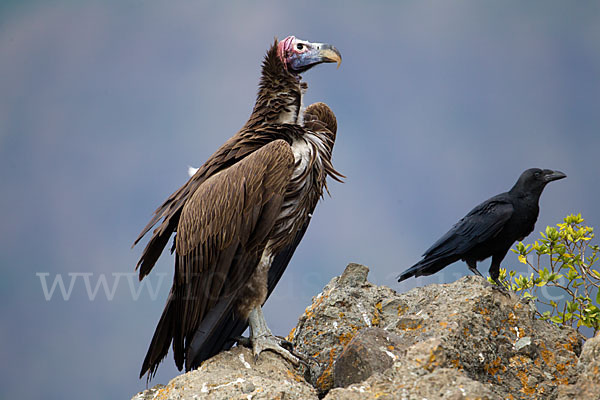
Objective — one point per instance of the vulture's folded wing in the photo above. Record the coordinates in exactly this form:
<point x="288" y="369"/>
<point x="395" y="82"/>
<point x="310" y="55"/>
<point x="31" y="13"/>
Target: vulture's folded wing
<point x="222" y="231"/>
<point x="231" y="152"/>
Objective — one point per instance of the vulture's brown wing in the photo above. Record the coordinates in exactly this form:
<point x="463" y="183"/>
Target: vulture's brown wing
<point x="318" y="116"/>
<point x="222" y="231"/>
<point x="231" y="152"/>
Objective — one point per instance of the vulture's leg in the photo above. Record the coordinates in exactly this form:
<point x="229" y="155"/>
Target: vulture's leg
<point x="263" y="339"/>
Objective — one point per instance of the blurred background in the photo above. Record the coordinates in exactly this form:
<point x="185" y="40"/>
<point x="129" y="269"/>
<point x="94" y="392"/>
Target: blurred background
<point x="105" y="104"/>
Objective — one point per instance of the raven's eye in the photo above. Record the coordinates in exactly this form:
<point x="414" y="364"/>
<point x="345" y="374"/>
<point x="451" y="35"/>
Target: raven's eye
<point x="537" y="174"/>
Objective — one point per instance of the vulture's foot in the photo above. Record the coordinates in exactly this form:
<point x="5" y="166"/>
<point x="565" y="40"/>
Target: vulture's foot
<point x="263" y="339"/>
<point x="286" y="345"/>
<point x="276" y="345"/>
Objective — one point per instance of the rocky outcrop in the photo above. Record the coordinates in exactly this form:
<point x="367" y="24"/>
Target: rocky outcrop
<point x="469" y="326"/>
<point x="235" y="375"/>
<point x="463" y="340"/>
<point x="588" y="382"/>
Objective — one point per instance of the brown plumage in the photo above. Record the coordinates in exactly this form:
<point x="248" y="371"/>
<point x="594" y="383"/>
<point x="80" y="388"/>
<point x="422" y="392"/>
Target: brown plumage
<point x="241" y="215"/>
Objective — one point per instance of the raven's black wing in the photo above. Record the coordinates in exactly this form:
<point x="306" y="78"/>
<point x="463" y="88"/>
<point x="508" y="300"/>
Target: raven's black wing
<point x="482" y="223"/>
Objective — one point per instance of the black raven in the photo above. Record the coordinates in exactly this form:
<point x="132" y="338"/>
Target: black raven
<point x="490" y="229"/>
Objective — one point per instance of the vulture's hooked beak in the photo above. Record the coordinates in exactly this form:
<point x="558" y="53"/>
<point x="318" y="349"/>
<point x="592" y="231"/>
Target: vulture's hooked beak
<point x="329" y="54"/>
<point x="316" y="53"/>
<point x="554" y="176"/>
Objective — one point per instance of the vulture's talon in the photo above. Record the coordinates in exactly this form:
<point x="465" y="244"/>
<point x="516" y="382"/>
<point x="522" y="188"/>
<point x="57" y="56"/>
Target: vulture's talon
<point x="286" y="344"/>
<point x="274" y="344"/>
<point x="303" y="358"/>
<point x="306" y="360"/>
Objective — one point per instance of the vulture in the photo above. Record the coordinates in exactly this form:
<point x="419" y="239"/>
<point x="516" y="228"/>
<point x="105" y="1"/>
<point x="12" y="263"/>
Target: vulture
<point x="490" y="229"/>
<point x="239" y="218"/>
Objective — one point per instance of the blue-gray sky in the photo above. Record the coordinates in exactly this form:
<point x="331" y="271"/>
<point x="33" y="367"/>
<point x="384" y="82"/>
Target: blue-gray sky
<point x="104" y="104"/>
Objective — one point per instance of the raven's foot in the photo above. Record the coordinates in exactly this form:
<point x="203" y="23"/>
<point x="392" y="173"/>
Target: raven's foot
<point x="473" y="267"/>
<point x="476" y="271"/>
<point x="499" y="286"/>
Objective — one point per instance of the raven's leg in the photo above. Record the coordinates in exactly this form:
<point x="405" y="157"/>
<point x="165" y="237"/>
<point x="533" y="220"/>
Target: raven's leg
<point x="495" y="266"/>
<point x="495" y="270"/>
<point x="472" y="264"/>
<point x="263" y="339"/>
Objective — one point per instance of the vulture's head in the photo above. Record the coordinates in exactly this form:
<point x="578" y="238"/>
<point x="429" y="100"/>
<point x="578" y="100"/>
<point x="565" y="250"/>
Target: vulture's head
<point x="300" y="55"/>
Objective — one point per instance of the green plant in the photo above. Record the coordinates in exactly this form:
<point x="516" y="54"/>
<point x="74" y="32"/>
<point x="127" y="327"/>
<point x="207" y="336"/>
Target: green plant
<point x="563" y="269"/>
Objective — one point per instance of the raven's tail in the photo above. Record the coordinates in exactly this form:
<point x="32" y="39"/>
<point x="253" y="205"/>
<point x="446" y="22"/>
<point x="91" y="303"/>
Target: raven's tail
<point x="412" y="271"/>
<point x="427" y="267"/>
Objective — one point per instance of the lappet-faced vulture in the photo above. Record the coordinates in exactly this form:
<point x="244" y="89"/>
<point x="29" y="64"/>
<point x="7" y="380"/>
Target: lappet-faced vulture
<point x="240" y="217"/>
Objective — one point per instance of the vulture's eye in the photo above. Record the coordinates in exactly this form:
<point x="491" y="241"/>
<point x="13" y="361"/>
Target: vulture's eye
<point x="299" y="46"/>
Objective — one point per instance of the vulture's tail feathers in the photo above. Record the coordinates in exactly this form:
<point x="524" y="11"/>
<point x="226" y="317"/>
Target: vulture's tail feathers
<point x="159" y="346"/>
<point x="215" y="333"/>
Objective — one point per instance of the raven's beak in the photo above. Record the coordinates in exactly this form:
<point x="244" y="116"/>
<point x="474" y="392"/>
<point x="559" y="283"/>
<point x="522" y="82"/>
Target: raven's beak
<point x="317" y="53"/>
<point x="554" y="176"/>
